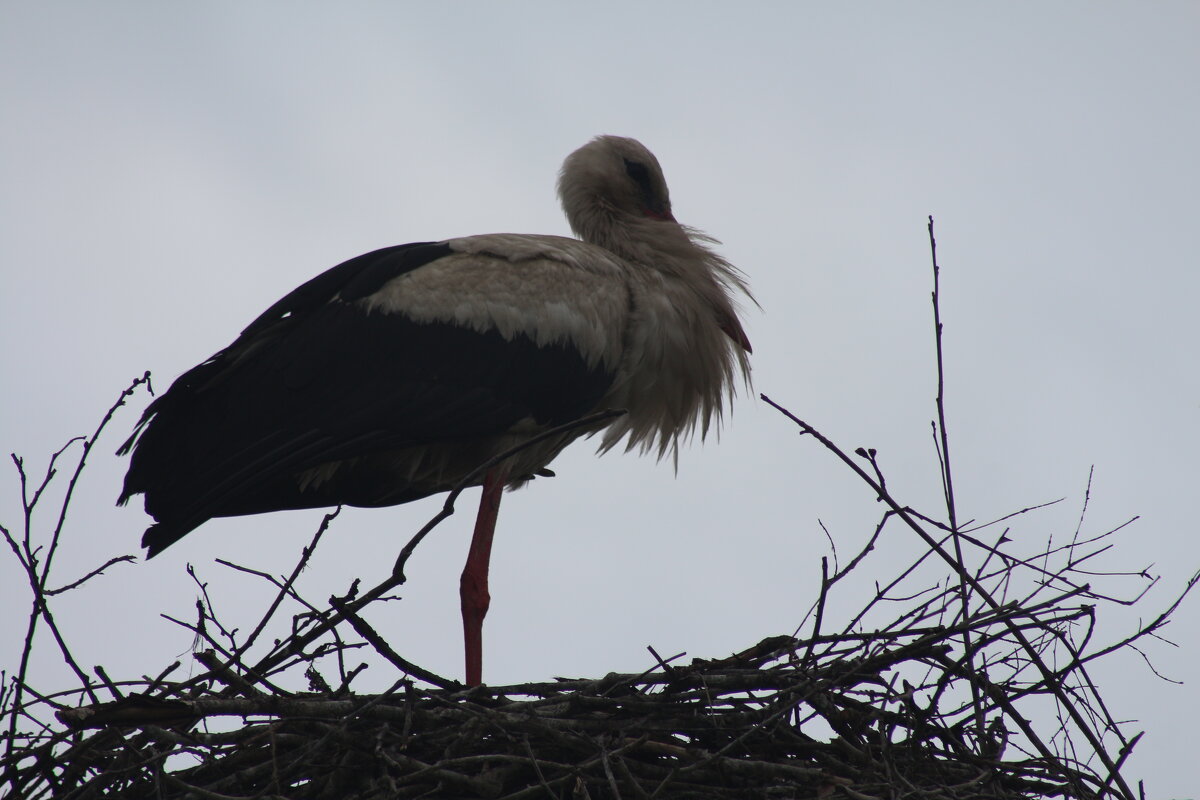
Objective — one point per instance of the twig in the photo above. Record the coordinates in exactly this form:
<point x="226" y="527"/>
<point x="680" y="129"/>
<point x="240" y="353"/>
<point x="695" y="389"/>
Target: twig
<point x="978" y="588"/>
<point x="384" y="649"/>
<point x="941" y="432"/>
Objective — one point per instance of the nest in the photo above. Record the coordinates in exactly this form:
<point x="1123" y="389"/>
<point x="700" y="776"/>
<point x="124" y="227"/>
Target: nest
<point x="965" y="674"/>
<point x="754" y="725"/>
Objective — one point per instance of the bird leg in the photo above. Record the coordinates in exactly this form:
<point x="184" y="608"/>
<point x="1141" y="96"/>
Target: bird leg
<point x="473" y="586"/>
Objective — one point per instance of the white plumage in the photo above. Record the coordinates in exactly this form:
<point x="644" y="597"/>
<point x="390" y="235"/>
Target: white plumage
<point x="396" y="374"/>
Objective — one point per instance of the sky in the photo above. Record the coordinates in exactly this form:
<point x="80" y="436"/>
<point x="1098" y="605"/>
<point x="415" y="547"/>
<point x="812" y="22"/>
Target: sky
<point x="167" y="171"/>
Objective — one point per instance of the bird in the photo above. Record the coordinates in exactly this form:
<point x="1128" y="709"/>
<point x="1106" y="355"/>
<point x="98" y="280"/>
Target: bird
<point x="397" y="374"/>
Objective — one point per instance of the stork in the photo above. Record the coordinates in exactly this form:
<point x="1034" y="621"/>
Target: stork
<point x="396" y="374"/>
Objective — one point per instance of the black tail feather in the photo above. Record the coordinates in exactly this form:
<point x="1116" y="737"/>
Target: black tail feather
<point x="160" y="536"/>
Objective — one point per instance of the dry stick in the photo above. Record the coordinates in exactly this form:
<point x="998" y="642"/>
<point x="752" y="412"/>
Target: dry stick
<point x="205" y="610"/>
<point x="870" y="545"/>
<point x="153" y="684"/>
<point x="384" y="649"/>
<point x="305" y="554"/>
<point x="287" y="589"/>
<point x="947" y="473"/>
<point x="10" y="772"/>
<point x="880" y="593"/>
<point x="1079" y="660"/>
<point x="833" y="548"/>
<point x="313" y="748"/>
<point x="632" y="780"/>
<point x="1124" y="754"/>
<point x="1011" y="514"/>
<point x="108" y="682"/>
<point x="97" y="571"/>
<point x="231" y="679"/>
<point x="808" y="693"/>
<point x="666" y="666"/>
<point x="1048" y="578"/>
<point x="87" y="448"/>
<point x="27" y="556"/>
<point x="1101" y="710"/>
<point x="38" y="582"/>
<point x="825" y="583"/>
<point x="612" y="780"/>
<point x="574" y="771"/>
<point x="1035" y="658"/>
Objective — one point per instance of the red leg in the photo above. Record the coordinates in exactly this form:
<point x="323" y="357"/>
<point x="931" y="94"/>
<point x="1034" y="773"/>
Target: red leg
<point x="473" y="586"/>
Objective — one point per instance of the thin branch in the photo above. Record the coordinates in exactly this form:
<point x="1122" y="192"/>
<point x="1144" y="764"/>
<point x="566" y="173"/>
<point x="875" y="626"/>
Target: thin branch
<point x="977" y="587"/>
<point x="940" y="430"/>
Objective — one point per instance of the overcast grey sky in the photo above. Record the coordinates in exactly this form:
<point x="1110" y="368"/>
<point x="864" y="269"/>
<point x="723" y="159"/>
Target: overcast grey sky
<point x="169" y="170"/>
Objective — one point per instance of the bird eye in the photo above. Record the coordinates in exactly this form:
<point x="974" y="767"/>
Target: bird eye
<point x="640" y="175"/>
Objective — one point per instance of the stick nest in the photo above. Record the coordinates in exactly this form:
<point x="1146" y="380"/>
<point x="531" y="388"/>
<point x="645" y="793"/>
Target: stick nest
<point x="775" y="721"/>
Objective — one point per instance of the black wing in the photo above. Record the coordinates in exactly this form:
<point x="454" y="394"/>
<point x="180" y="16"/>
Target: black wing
<point x="315" y="380"/>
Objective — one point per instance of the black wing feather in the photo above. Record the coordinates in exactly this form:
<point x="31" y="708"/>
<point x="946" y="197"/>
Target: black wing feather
<point x="316" y="379"/>
<point x="351" y="280"/>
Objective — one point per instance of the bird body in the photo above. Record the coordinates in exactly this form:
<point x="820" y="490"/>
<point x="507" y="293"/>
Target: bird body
<point x="396" y="374"/>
